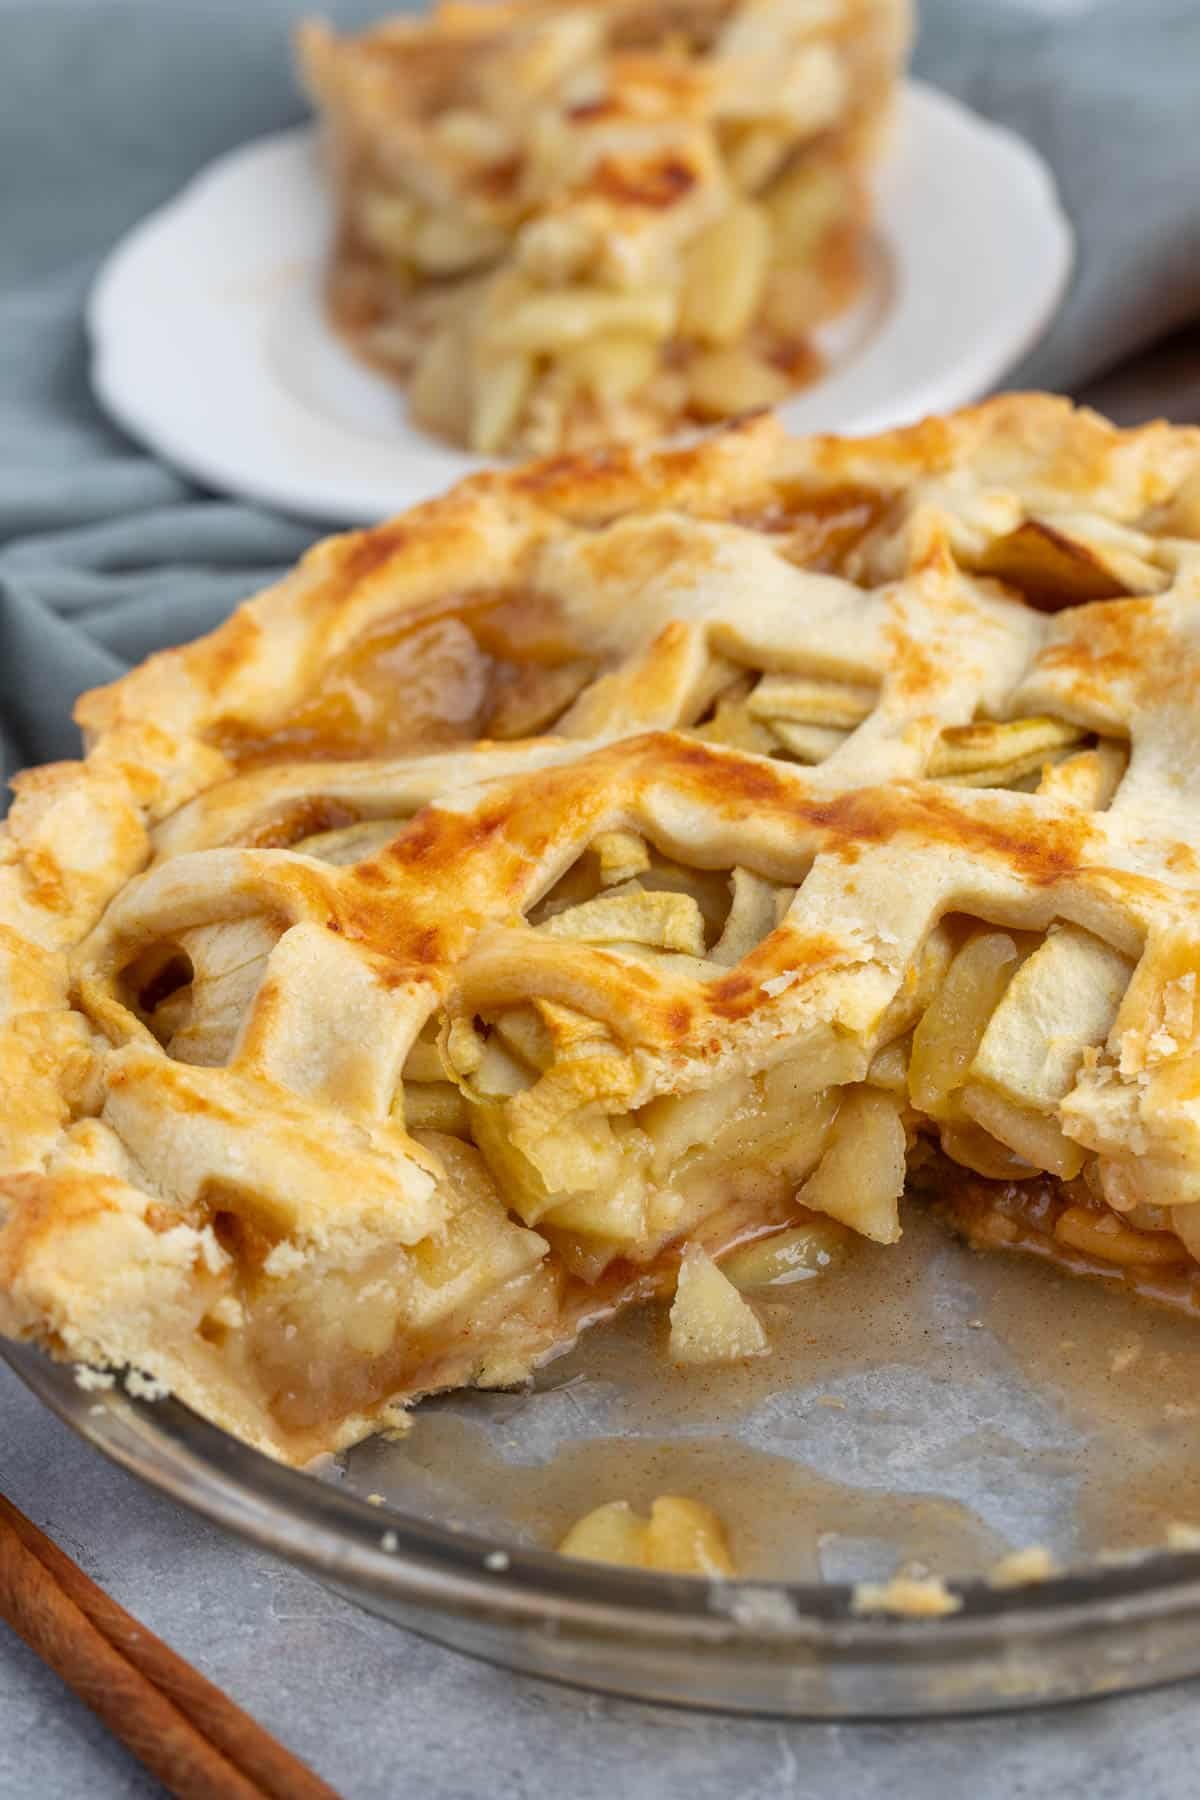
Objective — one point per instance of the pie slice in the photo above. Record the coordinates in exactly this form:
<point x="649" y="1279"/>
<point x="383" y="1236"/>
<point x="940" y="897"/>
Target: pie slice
<point x="617" y="862"/>
<point x="563" y="226"/>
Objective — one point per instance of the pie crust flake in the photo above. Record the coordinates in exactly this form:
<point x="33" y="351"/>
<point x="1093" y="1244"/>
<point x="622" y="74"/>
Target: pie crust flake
<point x="563" y="226"/>
<point x="620" y="860"/>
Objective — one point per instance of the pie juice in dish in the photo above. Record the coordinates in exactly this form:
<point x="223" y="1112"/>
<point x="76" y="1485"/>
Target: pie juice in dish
<point x="619" y="863"/>
<point x="562" y="226"/>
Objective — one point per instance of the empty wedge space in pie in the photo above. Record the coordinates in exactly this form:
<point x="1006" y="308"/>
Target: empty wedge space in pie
<point x="620" y="865"/>
<point x="563" y="226"/>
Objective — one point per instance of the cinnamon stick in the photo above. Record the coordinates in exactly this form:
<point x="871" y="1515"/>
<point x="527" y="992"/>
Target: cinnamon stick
<point x="198" y="1743"/>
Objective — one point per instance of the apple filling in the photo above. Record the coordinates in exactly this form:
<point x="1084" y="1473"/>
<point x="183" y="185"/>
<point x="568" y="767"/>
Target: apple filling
<point x="1068" y="1223"/>
<point x="574" y="1171"/>
<point x="497" y="663"/>
<point x="333" y="1338"/>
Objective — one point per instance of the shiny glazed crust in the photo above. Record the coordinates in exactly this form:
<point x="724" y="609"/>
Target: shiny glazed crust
<point x="923" y="707"/>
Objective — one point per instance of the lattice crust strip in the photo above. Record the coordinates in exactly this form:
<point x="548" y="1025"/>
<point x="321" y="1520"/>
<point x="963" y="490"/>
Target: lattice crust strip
<point x="333" y="1081"/>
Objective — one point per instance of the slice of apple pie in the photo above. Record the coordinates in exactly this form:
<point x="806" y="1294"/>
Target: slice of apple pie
<point x="570" y="225"/>
<point x="614" y="864"/>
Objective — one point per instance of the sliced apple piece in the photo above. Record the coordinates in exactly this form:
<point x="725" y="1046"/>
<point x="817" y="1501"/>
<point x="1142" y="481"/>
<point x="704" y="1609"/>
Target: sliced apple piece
<point x="860" y="1178"/>
<point x="710" y="1321"/>
<point x="681" y="1536"/>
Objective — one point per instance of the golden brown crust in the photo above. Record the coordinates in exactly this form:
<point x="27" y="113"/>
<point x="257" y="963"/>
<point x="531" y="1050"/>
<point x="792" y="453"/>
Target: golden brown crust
<point x="806" y="675"/>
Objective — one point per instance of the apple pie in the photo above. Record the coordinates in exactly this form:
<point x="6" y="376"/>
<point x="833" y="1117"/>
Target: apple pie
<point x="563" y="226"/>
<point x="621" y="865"/>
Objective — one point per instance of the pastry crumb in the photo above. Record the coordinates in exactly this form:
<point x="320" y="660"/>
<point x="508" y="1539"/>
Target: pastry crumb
<point x="1034" y="1563"/>
<point x="906" y="1597"/>
<point x="211" y="1254"/>
<point x="285" y="1258"/>
<point x="758" y="1609"/>
<point x="145" y="1387"/>
<point x="389" y="1542"/>
<point x="228" y="1312"/>
<point x="93" y="1380"/>
<point x="395" y="1422"/>
<point x="497" y="1561"/>
<point x="375" y="1500"/>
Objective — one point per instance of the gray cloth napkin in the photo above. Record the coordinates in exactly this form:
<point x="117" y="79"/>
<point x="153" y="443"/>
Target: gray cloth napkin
<point x="106" y="108"/>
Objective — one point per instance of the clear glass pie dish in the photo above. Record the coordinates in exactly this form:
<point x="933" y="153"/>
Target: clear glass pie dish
<point x="912" y="1415"/>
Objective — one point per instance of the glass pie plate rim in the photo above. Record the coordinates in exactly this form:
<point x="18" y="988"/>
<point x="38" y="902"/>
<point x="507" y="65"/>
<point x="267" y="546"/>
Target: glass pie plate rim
<point x="751" y="1646"/>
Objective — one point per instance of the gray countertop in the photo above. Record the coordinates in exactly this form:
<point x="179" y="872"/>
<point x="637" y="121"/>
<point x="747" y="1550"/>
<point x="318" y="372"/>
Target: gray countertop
<point x="379" y="1712"/>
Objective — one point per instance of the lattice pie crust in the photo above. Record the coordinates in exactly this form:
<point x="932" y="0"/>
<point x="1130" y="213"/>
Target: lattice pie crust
<point x="359" y="1041"/>
<point x="564" y="226"/>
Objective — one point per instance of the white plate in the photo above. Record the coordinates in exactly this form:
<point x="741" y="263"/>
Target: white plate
<point x="208" y="339"/>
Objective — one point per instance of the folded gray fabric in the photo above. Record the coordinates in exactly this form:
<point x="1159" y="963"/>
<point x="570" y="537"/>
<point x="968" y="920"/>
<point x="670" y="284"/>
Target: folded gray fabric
<point x="1107" y="91"/>
<point x="106" y="108"/>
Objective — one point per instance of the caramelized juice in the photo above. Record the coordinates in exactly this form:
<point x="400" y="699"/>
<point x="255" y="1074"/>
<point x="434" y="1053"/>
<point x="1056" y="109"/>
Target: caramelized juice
<point x="923" y="1405"/>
